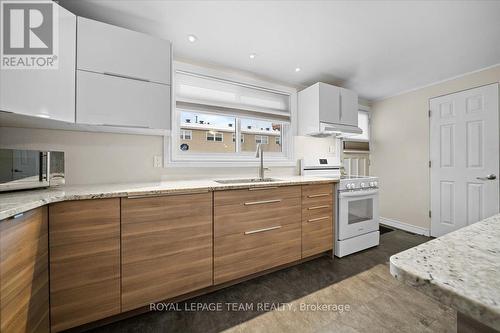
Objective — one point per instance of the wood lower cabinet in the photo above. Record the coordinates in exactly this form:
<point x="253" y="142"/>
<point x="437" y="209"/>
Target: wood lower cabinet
<point x="84" y="238"/>
<point x="255" y="229"/>
<point x="166" y="247"/>
<point x="24" y="276"/>
<point x="317" y="219"/>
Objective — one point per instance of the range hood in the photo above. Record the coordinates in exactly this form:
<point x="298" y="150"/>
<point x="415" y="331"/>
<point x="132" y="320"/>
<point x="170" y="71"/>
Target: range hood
<point x="326" y="130"/>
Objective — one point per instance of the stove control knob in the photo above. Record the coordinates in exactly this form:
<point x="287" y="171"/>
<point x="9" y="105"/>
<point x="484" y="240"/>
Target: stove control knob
<point x="375" y="183"/>
<point x="363" y="185"/>
<point x="372" y="184"/>
<point x="348" y="186"/>
<point x="353" y="185"/>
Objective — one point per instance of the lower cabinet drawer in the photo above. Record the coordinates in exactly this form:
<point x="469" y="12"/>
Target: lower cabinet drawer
<point x="317" y="235"/>
<point x="243" y="254"/>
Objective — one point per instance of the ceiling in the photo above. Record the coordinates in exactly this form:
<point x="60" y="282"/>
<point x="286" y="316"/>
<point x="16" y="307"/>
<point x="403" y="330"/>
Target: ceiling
<point x="377" y="48"/>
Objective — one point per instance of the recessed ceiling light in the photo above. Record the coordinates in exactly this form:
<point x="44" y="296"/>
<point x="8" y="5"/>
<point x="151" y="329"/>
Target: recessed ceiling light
<point x="192" y="38"/>
<point x="297" y="69"/>
<point x="252" y="55"/>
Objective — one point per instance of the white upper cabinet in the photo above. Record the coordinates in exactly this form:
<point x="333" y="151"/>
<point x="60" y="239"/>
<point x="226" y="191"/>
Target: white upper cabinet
<point x="47" y="93"/>
<point x="329" y="107"/>
<point x="104" y="48"/>
<point x="115" y="101"/>
<point x="348" y="107"/>
<point x="322" y="105"/>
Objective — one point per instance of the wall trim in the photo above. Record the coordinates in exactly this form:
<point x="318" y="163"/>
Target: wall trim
<point x="405" y="226"/>
<point x="435" y="83"/>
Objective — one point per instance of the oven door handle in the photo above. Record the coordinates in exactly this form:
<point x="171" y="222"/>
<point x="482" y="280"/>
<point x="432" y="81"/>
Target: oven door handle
<point x="358" y="193"/>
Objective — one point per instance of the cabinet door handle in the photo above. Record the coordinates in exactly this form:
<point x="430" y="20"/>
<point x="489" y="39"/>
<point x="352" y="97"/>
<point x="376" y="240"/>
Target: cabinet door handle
<point x="262" y="188"/>
<point x="262" y="230"/>
<point x="123" y="76"/>
<point x="318" y="207"/>
<point x="261" y="202"/>
<point x="318" y="219"/>
<point x="318" y="195"/>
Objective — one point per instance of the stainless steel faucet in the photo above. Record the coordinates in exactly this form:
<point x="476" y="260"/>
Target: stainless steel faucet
<point x="260" y="153"/>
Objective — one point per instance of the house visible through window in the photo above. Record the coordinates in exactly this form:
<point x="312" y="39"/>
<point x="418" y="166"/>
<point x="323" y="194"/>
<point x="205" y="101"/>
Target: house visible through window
<point x="215" y="136"/>
<point x="186" y="134"/>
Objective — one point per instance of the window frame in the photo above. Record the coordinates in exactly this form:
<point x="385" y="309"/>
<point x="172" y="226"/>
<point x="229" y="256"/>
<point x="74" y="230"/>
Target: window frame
<point x="176" y="158"/>
<point x="214" y="135"/>
<point x="183" y="134"/>
<point x="368" y="112"/>
<point x="262" y="136"/>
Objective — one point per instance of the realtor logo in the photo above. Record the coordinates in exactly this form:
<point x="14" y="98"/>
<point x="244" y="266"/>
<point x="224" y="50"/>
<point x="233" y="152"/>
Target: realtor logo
<point x="29" y="33"/>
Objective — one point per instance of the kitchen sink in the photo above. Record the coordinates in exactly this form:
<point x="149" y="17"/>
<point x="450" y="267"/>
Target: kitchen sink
<point x="249" y="180"/>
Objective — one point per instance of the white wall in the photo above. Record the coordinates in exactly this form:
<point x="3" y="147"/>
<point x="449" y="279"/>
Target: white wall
<point x="115" y="158"/>
<point x="400" y="147"/>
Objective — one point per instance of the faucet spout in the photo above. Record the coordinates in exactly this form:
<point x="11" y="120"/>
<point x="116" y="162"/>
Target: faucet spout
<point x="260" y="154"/>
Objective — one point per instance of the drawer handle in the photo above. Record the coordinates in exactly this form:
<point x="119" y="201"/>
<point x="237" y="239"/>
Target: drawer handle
<point x="318" y="219"/>
<point x="261" y="202"/>
<point x="262" y="188"/>
<point x="318" y="195"/>
<point x="262" y="230"/>
<point x="318" y="207"/>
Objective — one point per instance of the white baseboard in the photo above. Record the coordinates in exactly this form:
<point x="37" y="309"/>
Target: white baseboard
<point x="404" y="226"/>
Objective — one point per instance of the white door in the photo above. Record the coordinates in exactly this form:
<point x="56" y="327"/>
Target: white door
<point x="464" y="143"/>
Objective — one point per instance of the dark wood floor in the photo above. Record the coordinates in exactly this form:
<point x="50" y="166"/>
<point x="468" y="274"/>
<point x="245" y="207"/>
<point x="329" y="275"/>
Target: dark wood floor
<point x="378" y="303"/>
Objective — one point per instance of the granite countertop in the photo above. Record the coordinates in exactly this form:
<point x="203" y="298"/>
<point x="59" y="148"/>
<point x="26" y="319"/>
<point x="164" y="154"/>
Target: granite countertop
<point x="21" y="201"/>
<point x="460" y="269"/>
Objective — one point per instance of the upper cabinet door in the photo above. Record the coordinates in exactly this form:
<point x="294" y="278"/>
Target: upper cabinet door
<point x="115" y="101"/>
<point x="108" y="49"/>
<point x="329" y="106"/>
<point x="348" y="107"/>
<point x="47" y="93"/>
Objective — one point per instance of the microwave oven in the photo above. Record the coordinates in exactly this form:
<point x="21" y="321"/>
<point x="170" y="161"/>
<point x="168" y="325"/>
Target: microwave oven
<point x="29" y="169"/>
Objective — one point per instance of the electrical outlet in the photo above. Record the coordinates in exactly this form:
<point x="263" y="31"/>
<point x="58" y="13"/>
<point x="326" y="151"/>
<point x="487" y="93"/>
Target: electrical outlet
<point x="157" y="162"/>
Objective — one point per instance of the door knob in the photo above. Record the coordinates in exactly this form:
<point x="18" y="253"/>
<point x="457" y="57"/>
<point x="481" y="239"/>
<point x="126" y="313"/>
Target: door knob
<point x="489" y="177"/>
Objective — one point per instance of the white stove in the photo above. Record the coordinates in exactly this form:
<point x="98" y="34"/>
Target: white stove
<point x="357" y="222"/>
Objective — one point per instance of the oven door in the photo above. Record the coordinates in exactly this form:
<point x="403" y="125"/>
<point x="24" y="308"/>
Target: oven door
<point x="358" y="213"/>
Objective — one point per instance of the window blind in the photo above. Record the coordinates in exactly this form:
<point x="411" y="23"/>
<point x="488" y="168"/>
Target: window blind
<point x="205" y="93"/>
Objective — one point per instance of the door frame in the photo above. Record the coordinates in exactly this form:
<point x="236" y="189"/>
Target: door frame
<point x="432" y="225"/>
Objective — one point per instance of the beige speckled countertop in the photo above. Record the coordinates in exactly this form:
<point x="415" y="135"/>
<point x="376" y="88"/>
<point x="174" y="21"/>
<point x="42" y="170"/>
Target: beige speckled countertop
<point x="21" y="201"/>
<point x="460" y="269"/>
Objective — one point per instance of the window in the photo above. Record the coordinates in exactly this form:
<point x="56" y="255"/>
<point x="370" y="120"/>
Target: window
<point x="215" y="136"/>
<point x="242" y="138"/>
<point x="364" y="124"/>
<point x="264" y="139"/>
<point x="186" y="134"/>
<point x="209" y="108"/>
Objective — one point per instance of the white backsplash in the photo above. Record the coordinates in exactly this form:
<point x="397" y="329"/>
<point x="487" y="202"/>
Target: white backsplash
<point x="93" y="158"/>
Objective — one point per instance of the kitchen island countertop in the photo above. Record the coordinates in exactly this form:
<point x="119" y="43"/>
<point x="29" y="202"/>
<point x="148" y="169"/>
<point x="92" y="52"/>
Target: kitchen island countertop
<point x="460" y="269"/>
